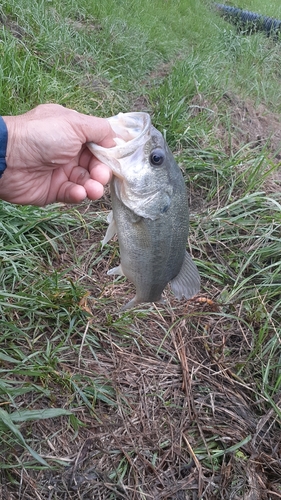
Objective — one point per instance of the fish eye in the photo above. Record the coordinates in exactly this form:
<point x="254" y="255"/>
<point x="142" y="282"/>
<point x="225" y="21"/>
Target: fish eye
<point x="157" y="157"/>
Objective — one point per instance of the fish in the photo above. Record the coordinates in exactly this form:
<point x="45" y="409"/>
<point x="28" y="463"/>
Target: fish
<point x="150" y="213"/>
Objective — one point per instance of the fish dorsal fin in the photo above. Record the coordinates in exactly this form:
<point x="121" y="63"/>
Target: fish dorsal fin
<point x="187" y="282"/>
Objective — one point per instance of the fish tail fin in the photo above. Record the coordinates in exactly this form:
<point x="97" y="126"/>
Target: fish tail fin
<point x="187" y="282"/>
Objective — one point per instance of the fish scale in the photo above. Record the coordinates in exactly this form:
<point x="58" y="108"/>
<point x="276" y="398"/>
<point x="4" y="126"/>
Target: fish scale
<point x="149" y="211"/>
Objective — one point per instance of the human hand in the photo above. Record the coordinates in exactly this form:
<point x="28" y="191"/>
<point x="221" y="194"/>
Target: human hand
<point x="48" y="160"/>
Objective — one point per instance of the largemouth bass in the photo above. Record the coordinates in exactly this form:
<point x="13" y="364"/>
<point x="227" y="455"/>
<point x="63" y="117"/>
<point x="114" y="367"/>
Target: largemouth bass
<point x="149" y="211"/>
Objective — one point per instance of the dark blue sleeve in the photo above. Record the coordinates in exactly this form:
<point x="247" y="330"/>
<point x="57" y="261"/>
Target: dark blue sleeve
<point x="3" y="145"/>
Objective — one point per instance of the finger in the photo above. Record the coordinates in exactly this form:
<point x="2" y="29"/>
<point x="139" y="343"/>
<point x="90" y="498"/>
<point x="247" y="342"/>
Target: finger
<point x="94" y="129"/>
<point x="79" y="175"/>
<point x="71" y="193"/>
<point x="100" y="172"/>
<point x="85" y="157"/>
<point x="94" y="189"/>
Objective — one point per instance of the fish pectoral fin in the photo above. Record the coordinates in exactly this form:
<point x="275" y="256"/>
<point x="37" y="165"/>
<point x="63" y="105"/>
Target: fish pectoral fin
<point x="187" y="282"/>
<point x="111" y="230"/>
<point x="132" y="303"/>
<point x="116" y="270"/>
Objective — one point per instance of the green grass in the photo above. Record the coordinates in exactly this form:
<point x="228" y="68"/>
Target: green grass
<point x="73" y="367"/>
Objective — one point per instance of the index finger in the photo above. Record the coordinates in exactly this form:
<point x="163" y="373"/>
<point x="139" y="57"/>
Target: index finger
<point x="99" y="171"/>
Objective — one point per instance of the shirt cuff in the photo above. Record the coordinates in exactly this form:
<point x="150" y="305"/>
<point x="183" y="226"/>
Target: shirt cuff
<point x="3" y="145"/>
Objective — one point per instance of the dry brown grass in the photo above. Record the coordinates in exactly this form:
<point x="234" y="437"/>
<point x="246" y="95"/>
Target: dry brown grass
<point x="179" y="415"/>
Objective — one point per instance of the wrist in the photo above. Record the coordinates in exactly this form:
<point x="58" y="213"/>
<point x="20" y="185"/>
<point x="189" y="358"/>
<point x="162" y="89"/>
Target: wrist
<point x="3" y="145"/>
<point x="15" y="141"/>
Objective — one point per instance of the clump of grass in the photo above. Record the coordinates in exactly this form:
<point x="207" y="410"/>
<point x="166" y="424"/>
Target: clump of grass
<point x="39" y="301"/>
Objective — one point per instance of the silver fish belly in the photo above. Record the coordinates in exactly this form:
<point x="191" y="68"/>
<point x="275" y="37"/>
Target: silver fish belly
<point x="149" y="211"/>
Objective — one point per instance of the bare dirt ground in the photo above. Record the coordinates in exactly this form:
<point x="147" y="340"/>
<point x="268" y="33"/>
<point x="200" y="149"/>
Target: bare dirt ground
<point x="255" y="126"/>
<point x="244" y="125"/>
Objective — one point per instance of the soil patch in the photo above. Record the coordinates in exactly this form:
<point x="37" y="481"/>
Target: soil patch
<point x="15" y="29"/>
<point x="257" y="127"/>
<point x="242" y="124"/>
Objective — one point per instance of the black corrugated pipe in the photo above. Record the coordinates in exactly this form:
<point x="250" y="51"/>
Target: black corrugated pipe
<point x="249" y="20"/>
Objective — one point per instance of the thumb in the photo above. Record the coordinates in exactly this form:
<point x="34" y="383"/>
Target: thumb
<point x="94" y="129"/>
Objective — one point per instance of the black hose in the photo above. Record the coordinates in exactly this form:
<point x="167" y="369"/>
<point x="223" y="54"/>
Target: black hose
<point x="250" y="21"/>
